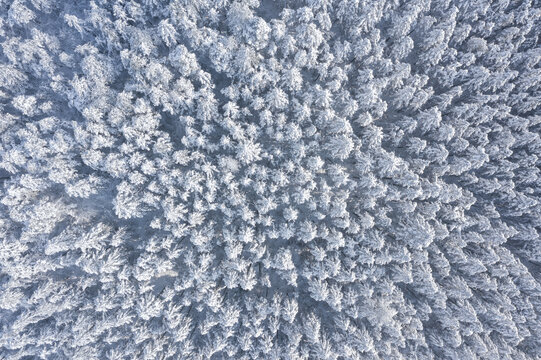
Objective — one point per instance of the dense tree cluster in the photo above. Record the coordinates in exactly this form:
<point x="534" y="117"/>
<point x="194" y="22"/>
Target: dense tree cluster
<point x="268" y="179"/>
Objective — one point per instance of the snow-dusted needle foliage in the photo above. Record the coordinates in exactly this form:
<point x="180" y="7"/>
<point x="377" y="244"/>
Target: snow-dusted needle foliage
<point x="307" y="179"/>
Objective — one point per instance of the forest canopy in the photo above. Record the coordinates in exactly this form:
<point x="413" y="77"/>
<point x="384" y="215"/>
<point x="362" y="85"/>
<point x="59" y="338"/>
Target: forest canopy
<point x="270" y="179"/>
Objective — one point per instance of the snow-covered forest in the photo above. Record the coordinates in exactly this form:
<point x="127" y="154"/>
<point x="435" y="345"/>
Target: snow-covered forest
<point x="272" y="179"/>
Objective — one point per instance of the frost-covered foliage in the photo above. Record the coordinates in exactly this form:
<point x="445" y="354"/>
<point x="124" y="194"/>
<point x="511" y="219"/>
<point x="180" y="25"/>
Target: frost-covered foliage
<point x="310" y="179"/>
